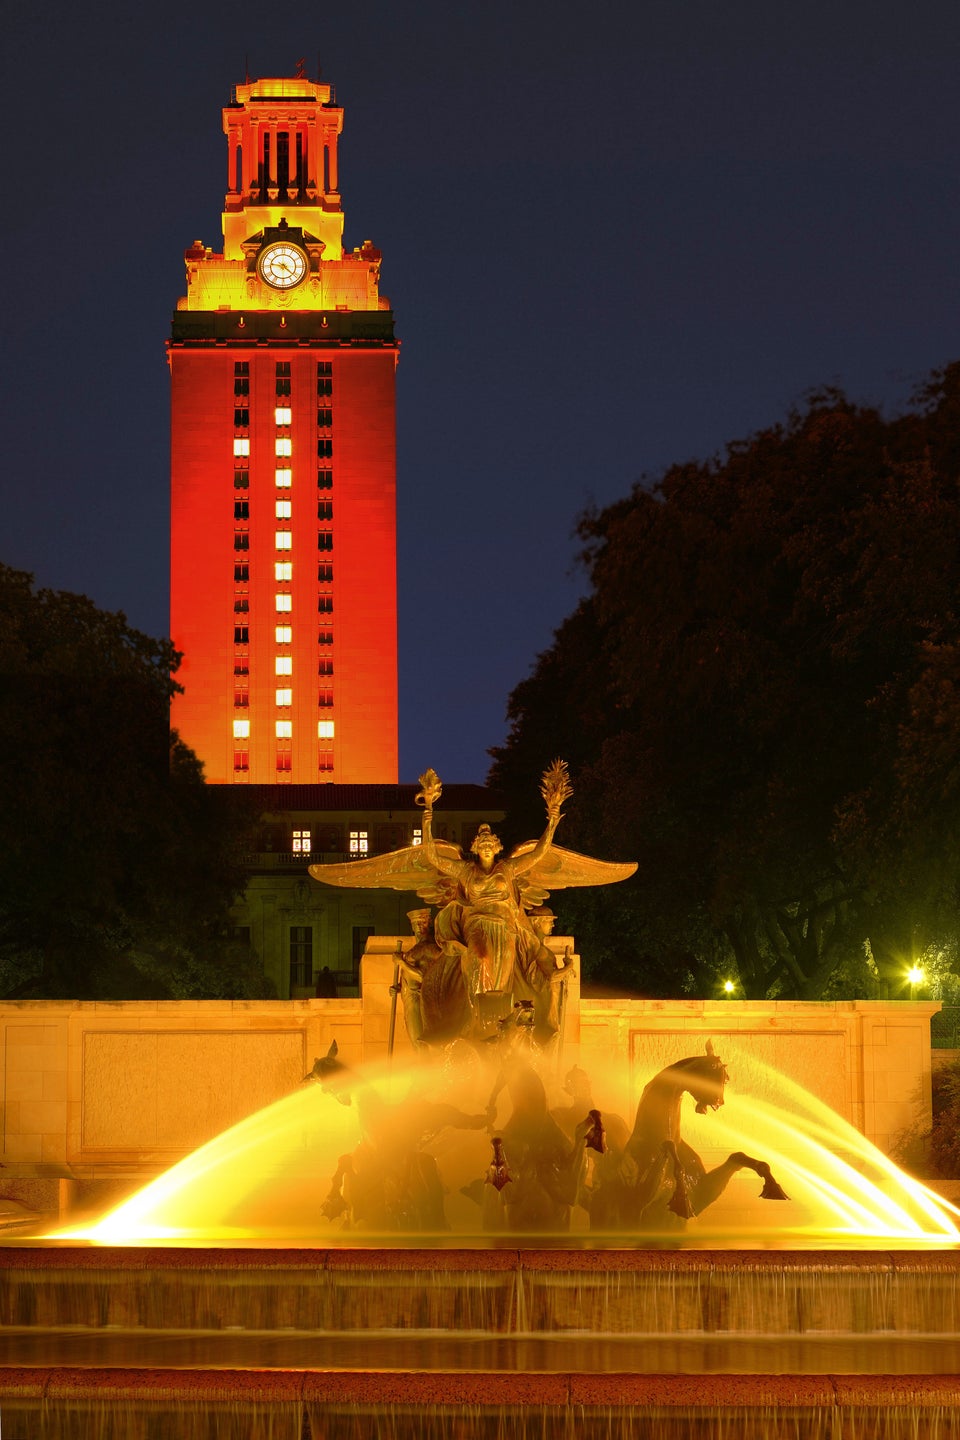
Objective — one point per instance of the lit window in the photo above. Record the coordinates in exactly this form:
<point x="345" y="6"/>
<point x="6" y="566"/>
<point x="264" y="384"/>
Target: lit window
<point x="417" y="837"/>
<point x="284" y="697"/>
<point x="283" y="602"/>
<point x="241" y="729"/>
<point x="283" y="665"/>
<point x="283" y="634"/>
<point x="325" y="729"/>
<point x="301" y="842"/>
<point x="282" y="415"/>
<point x="284" y="446"/>
<point x="359" y="843"/>
<point x="241" y="445"/>
<point x="284" y="509"/>
<point x="283" y="570"/>
<point x="284" y="540"/>
<point x="284" y="479"/>
<point x="284" y="729"/>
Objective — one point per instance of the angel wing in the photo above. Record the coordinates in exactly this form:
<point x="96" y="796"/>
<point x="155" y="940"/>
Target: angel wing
<point x="562" y="869"/>
<point x="407" y="869"/>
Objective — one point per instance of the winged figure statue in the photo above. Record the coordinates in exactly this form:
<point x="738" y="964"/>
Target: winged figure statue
<point x="484" y="898"/>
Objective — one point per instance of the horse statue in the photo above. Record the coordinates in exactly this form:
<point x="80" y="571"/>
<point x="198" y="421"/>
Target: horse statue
<point x="656" y="1179"/>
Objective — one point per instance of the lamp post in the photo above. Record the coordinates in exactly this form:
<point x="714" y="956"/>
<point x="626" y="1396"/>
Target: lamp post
<point x="914" y="978"/>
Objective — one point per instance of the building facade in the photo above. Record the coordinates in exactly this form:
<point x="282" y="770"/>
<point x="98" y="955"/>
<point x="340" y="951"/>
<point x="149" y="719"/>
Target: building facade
<point x="283" y="508"/>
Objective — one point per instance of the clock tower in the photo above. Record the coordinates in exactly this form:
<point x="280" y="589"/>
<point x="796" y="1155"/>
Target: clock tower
<point x="283" y="506"/>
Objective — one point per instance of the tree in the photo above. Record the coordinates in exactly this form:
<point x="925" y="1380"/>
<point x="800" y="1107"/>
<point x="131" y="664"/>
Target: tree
<point x="117" y="863"/>
<point x="773" y="720"/>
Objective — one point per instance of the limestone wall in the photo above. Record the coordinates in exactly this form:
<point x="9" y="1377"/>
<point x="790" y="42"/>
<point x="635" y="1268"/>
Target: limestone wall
<point x="95" y="1090"/>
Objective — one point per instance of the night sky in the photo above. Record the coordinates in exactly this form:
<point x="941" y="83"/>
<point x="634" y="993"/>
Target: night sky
<point x="615" y="236"/>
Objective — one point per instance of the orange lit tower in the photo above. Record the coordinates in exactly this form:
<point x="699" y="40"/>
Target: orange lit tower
<point x="283" y="513"/>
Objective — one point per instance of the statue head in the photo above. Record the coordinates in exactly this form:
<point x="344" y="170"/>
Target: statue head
<point x="486" y="842"/>
<point x="419" y="922"/>
<point x="542" y="919"/>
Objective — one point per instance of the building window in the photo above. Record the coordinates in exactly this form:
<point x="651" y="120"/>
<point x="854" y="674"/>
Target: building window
<point x="283" y="445"/>
<point x="241" y="572"/>
<point x="325" y="729"/>
<point x="284" y="729"/>
<point x="241" y="729"/>
<point x="241" y="635"/>
<point x="301" y="949"/>
<point x="284" y="479"/>
<point x="324" y="449"/>
<point x="325" y="605"/>
<point x="324" y="419"/>
<point x="283" y="634"/>
<point x="283" y="665"/>
<point x="241" y="387"/>
<point x="324" y="479"/>
<point x="241" y="694"/>
<point x="283" y="540"/>
<point x="324" y="387"/>
<point x="283" y="377"/>
<point x="325" y="573"/>
<point x="325" y="667"/>
<point x="241" y="509"/>
<point x="325" y="699"/>
<point x="283" y="388"/>
<point x="241" y="479"/>
<point x="325" y="760"/>
<point x="283" y="570"/>
<point x="284" y="760"/>
<point x="283" y="602"/>
<point x="241" y="418"/>
<point x="241" y="445"/>
<point x="241" y="606"/>
<point x="241" y="759"/>
<point x="241" y="540"/>
<point x="283" y="415"/>
<point x="284" y="509"/>
<point x="359" y="845"/>
<point x="324" y="539"/>
<point x="284" y="697"/>
<point x="417" y="836"/>
<point x="302" y="844"/>
<point x="241" y="367"/>
<point x="324" y="367"/>
<point x="324" y="637"/>
<point x="324" y="509"/>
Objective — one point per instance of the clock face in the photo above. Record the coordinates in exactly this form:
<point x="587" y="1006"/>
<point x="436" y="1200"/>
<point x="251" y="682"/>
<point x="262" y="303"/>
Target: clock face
<point x="282" y="265"/>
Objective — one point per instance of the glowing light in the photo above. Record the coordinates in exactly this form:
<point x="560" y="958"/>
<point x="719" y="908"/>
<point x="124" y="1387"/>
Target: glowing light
<point x="241" y="729"/>
<point x="283" y="665"/>
<point x="915" y="975"/>
<point x="284" y="509"/>
<point x="283" y="602"/>
<point x="282" y="415"/>
<point x="284" y="729"/>
<point x="284" y="446"/>
<point x="284" y="479"/>
<point x="241" y="445"/>
<point x="728" y="987"/>
<point x="325" y="729"/>
<point x="283" y="634"/>
<point x="284" y="697"/>
<point x="284" y="540"/>
<point x="283" y="570"/>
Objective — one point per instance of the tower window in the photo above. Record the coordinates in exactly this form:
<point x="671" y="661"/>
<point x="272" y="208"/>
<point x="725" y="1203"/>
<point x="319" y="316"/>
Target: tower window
<point x="325" y="572"/>
<point x="284" y="698"/>
<point x="283" y="602"/>
<point x="284" y="445"/>
<point x="241" y="693"/>
<point x="241" y="759"/>
<point x="325" y="667"/>
<point x="324" y="509"/>
<point x="324" y="387"/>
<point x="283" y="388"/>
<point x="283" y="415"/>
<point x="241" y="479"/>
<point x="284" y="760"/>
<point x="241" y="572"/>
<point x="324" y="367"/>
<point x="284" y="729"/>
<point x="241" y="367"/>
<point x="283" y="378"/>
<point x="283" y="570"/>
<point x="325" y="760"/>
<point x="325" y="605"/>
<point x="241" y="729"/>
<point x="324" y="419"/>
<point x="284" y="509"/>
<point x="241" y="509"/>
<point x="325" y="699"/>
<point x="325" y="729"/>
<point x="283" y="367"/>
<point x="241" y="418"/>
<point x="283" y="635"/>
<point x="284" y="479"/>
<point x="325" y="449"/>
<point x="241" y="540"/>
<point x="284" y="540"/>
<point x="241" y="387"/>
<point x="324" y="479"/>
<point x="241" y="445"/>
<point x="241" y="635"/>
<point x="325" y="540"/>
<point x="283" y="665"/>
<point x="241" y="606"/>
<point x="325" y="637"/>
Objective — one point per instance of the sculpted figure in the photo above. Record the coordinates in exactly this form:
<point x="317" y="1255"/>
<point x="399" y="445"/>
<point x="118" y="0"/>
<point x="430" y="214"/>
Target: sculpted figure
<point x="413" y="967"/>
<point x="483" y="898"/>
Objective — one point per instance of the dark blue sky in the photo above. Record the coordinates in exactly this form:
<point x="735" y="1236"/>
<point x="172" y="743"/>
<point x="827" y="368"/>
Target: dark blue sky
<point x="615" y="236"/>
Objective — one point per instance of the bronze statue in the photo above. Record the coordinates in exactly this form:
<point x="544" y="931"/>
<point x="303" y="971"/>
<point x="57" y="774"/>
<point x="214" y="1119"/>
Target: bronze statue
<point x="484" y="899"/>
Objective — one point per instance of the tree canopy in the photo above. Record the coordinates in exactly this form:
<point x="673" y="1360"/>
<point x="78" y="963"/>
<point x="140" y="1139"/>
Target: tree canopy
<point x="118" y="864"/>
<point x="760" y="701"/>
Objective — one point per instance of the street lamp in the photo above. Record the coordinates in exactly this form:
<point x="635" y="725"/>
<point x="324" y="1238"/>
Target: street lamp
<point x="914" y="978"/>
<point x="728" y="987"/>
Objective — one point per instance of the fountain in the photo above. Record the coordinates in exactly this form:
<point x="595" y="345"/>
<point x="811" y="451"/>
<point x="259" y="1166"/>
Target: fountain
<point x="478" y="1241"/>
